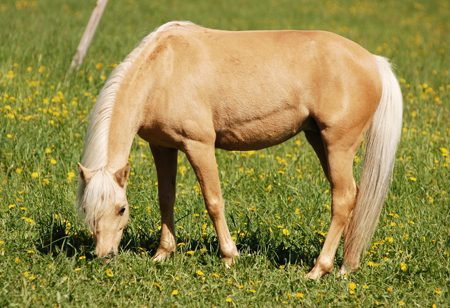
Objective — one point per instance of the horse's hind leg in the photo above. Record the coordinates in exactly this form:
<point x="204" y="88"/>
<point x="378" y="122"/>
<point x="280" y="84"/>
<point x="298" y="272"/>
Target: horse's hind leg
<point x="166" y="168"/>
<point x="203" y="160"/>
<point x="343" y="187"/>
<point x="315" y="140"/>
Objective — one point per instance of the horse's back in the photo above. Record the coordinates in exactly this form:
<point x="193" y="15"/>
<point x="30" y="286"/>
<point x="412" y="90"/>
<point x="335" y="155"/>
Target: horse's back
<point x="257" y="88"/>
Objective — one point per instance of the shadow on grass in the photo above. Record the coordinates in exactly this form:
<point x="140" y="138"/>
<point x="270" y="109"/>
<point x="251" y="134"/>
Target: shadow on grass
<point x="58" y="236"/>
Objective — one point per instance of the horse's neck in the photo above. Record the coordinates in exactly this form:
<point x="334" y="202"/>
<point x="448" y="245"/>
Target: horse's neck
<point x="123" y="128"/>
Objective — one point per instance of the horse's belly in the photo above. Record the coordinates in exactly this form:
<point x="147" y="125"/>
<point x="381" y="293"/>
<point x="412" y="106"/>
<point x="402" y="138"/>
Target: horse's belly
<point x="259" y="134"/>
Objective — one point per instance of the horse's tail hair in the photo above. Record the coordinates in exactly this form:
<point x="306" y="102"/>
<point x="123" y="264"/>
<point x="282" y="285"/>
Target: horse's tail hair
<point x="382" y="140"/>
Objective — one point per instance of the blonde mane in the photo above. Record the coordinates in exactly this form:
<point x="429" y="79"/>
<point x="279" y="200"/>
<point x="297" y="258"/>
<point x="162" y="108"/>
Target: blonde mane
<point x="92" y="200"/>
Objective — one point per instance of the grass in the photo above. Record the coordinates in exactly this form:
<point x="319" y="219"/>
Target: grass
<point x="277" y="200"/>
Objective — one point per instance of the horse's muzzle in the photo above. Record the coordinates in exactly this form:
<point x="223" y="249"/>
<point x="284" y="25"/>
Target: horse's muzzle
<point x="108" y="257"/>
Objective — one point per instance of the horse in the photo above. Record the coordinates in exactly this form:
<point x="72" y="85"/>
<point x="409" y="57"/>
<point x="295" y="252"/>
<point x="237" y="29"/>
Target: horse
<point x="192" y="89"/>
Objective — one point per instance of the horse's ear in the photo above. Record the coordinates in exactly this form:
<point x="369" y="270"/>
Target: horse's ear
<point x="85" y="173"/>
<point x="122" y="174"/>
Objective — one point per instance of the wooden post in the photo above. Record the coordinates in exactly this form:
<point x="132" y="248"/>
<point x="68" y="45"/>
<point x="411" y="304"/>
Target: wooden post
<point x="88" y="34"/>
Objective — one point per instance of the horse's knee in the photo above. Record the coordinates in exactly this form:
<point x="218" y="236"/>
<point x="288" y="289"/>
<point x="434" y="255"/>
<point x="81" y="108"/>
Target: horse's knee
<point x="215" y="208"/>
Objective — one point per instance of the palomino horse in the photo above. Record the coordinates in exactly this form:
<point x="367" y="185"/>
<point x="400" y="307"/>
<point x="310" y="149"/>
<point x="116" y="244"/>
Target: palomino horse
<point x="194" y="89"/>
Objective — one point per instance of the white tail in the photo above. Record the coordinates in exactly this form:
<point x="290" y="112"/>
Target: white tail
<point x="382" y="140"/>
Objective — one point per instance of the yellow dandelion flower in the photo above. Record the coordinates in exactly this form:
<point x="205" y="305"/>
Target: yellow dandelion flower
<point x="19" y="170"/>
<point x="9" y="136"/>
<point x="299" y="295"/>
<point x="437" y="291"/>
<point x="53" y="161"/>
<point x="412" y="178"/>
<point x="352" y="286"/>
<point x="228" y="300"/>
<point x="82" y="258"/>
<point x="286" y="232"/>
<point x="99" y="66"/>
<point x="190" y="252"/>
<point x="389" y="289"/>
<point x="401" y="303"/>
<point x="199" y="272"/>
<point x="11" y="206"/>
<point x="77" y="269"/>
<point x="48" y="151"/>
<point x="109" y="273"/>
<point x="252" y="290"/>
<point x="30" y="251"/>
<point x="35" y="174"/>
<point x="403" y="266"/>
<point x="174" y="292"/>
<point x="158" y="286"/>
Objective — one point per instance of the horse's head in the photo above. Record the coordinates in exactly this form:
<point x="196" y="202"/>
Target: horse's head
<point x="102" y="200"/>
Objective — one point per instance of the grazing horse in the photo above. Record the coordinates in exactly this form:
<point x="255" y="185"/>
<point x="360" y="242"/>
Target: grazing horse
<point x="195" y="89"/>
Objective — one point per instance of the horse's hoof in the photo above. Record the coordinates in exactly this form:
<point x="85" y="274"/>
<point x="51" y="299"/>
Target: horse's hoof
<point x="230" y="261"/>
<point x="346" y="269"/>
<point x="161" y="256"/>
<point x="312" y="275"/>
<point x="317" y="273"/>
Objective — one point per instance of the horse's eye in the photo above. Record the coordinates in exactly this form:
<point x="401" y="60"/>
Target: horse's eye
<point x="122" y="210"/>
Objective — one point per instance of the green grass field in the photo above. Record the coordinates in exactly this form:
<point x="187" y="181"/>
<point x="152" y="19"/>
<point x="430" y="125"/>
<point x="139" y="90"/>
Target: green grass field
<point x="277" y="200"/>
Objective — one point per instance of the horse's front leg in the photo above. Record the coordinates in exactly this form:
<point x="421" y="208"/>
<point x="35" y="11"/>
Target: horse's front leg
<point x="203" y="160"/>
<point x="166" y="169"/>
